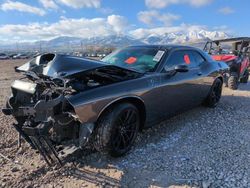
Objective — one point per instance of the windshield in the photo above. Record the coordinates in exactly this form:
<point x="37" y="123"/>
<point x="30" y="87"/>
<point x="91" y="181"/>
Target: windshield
<point x="140" y="59"/>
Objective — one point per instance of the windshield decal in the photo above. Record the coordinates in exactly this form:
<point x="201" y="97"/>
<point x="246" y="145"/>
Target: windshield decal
<point x="187" y="59"/>
<point x="131" y="60"/>
<point x="158" y="56"/>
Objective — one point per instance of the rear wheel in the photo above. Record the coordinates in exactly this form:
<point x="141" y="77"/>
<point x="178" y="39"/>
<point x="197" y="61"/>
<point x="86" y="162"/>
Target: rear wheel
<point x="233" y="81"/>
<point x="245" y="78"/>
<point x="117" y="129"/>
<point x="215" y="94"/>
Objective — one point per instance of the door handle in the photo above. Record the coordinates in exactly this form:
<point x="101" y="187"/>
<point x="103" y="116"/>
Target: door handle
<point x="199" y="73"/>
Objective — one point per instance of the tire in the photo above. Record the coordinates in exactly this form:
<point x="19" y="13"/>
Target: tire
<point x="117" y="130"/>
<point x="245" y="78"/>
<point x="214" y="95"/>
<point x="233" y="81"/>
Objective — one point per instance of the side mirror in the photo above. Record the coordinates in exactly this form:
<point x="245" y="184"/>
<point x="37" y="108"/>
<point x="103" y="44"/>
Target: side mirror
<point x="178" y="68"/>
<point x="181" y="68"/>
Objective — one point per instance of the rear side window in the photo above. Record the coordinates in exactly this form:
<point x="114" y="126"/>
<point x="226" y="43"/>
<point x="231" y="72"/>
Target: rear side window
<point x="183" y="57"/>
<point x="207" y="56"/>
<point x="198" y="58"/>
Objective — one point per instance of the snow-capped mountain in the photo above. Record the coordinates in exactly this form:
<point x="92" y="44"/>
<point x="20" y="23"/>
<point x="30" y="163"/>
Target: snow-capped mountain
<point x="112" y="40"/>
<point x="66" y="42"/>
<point x="125" y="40"/>
<point x="184" y="37"/>
<point x="60" y="41"/>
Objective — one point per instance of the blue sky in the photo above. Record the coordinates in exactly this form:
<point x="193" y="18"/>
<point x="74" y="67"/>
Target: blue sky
<point x="44" y="19"/>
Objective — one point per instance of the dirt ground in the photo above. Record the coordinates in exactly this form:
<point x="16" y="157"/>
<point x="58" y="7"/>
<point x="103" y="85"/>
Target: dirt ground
<point x="200" y="148"/>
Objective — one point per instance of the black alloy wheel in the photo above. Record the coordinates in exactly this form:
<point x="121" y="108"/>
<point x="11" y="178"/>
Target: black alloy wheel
<point x="125" y="131"/>
<point x="215" y="94"/>
<point x="117" y="129"/>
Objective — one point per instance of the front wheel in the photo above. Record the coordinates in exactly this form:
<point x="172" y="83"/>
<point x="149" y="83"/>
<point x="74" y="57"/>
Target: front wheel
<point x="214" y="95"/>
<point x="117" y="129"/>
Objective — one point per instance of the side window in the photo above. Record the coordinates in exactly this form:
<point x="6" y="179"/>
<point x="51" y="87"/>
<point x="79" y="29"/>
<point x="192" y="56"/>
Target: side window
<point x="181" y="57"/>
<point x="198" y="58"/>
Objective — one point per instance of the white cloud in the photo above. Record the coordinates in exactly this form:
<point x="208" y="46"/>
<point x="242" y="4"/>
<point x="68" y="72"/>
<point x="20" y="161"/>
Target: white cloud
<point x="164" y="3"/>
<point x="49" y="4"/>
<point x="150" y="17"/>
<point x="87" y="28"/>
<point x="226" y="10"/>
<point x="22" y="7"/>
<point x="142" y="32"/>
<point x="82" y="27"/>
<point x="81" y="3"/>
<point x="119" y="23"/>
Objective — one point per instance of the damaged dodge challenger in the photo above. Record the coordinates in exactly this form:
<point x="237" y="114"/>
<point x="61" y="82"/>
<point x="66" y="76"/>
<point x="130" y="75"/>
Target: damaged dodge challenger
<point x="64" y="102"/>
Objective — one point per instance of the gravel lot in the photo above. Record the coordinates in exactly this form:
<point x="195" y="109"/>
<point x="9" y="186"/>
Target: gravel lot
<point x="200" y="148"/>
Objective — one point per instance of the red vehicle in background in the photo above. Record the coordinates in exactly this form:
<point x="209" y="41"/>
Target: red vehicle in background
<point x="236" y="53"/>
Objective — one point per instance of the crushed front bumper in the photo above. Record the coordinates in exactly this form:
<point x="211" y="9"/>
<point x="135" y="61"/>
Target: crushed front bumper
<point x="36" y="122"/>
<point x="37" y="136"/>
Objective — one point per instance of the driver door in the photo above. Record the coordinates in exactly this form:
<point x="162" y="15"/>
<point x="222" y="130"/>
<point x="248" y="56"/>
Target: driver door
<point x="180" y="90"/>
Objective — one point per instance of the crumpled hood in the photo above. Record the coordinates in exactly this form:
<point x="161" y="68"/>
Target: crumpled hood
<point x="55" y="65"/>
<point x="224" y="58"/>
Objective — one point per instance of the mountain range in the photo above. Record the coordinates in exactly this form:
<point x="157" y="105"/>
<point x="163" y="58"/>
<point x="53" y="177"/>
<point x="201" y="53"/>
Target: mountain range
<point x="184" y="37"/>
<point x="66" y="42"/>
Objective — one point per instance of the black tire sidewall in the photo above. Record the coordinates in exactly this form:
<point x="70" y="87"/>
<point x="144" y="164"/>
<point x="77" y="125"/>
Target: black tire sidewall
<point x="119" y="110"/>
<point x="108" y="123"/>
<point x="209" y="102"/>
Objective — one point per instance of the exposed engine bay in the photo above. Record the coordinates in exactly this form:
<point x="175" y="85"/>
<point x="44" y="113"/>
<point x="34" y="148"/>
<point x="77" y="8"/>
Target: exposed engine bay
<point x="39" y="101"/>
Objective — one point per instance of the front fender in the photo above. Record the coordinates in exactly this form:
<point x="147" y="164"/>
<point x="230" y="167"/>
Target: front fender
<point x="120" y="99"/>
<point x="89" y="112"/>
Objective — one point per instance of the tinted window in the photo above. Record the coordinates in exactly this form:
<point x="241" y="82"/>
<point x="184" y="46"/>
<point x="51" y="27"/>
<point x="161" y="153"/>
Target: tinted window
<point x="181" y="58"/>
<point x="198" y="58"/>
<point x="207" y="56"/>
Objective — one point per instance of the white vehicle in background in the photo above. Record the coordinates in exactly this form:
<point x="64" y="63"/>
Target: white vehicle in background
<point x="20" y="56"/>
<point x="3" y="56"/>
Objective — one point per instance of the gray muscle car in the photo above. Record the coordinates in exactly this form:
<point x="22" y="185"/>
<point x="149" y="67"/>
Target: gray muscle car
<point x="64" y="101"/>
